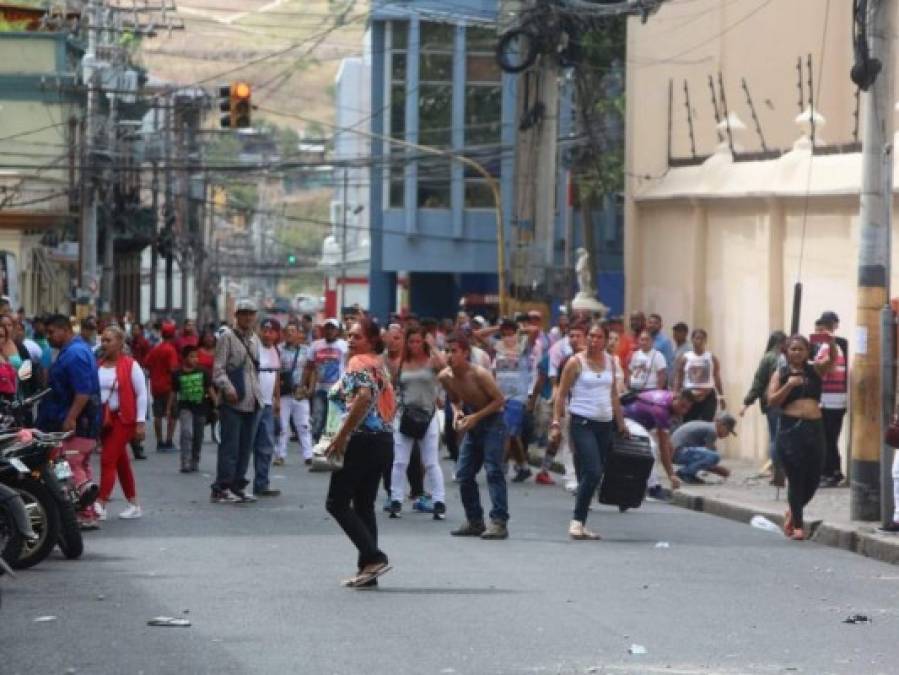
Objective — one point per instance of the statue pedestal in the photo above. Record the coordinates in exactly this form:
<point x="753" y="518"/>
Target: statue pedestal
<point x="586" y="303"/>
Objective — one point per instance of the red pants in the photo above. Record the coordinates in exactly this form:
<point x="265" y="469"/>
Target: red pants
<point x="114" y="459"/>
<point x="78" y="454"/>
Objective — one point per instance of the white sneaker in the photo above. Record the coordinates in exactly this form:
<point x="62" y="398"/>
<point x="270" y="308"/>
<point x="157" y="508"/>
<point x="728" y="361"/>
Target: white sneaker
<point x="133" y="511"/>
<point x="100" y="510"/>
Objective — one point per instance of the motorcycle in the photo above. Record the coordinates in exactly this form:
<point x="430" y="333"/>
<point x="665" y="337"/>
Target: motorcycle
<point x="15" y="527"/>
<point x="44" y="485"/>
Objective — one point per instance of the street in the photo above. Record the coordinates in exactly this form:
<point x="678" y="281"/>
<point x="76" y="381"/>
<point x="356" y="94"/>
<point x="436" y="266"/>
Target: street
<point x="260" y="586"/>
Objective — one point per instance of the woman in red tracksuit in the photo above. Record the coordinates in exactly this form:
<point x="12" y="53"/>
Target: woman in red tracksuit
<point x="123" y="392"/>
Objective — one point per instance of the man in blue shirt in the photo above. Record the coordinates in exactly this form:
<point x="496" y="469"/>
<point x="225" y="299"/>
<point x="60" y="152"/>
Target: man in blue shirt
<point x="73" y="405"/>
<point x="660" y="342"/>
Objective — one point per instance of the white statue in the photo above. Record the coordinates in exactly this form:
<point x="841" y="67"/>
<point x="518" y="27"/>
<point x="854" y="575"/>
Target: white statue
<point x="585" y="299"/>
<point x="584" y="275"/>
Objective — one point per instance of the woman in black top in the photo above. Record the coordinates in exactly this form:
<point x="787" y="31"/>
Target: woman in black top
<point x="796" y="389"/>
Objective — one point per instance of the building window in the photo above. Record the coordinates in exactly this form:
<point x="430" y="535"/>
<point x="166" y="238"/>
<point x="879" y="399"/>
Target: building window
<point x="483" y="114"/>
<point x="435" y="112"/>
<point x="397" y="45"/>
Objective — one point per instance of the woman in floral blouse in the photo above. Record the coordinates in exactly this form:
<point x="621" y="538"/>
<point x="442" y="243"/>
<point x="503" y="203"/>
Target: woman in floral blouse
<point x="364" y="441"/>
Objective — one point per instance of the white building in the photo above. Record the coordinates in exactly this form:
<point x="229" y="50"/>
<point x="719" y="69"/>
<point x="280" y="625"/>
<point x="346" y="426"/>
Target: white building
<point x="345" y="252"/>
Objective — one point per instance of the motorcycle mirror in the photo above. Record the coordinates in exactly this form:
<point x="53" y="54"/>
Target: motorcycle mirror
<point x="25" y="370"/>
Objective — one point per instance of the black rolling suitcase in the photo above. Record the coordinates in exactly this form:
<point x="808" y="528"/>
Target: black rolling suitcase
<point x="627" y="470"/>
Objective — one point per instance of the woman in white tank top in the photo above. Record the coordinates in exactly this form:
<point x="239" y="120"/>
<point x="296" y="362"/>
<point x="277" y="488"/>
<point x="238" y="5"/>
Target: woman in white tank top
<point x="698" y="372"/>
<point x="589" y="380"/>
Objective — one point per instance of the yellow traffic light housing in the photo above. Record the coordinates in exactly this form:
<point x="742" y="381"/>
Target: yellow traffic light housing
<point x="240" y="105"/>
<point x="234" y="103"/>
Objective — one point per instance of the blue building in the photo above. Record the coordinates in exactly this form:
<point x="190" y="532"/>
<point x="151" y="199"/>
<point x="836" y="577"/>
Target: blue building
<point x="435" y="82"/>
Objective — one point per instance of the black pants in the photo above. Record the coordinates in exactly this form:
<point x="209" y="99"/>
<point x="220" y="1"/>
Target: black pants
<point x="833" y="425"/>
<point x="353" y="490"/>
<point x="449" y="434"/>
<point x="703" y="410"/>
<point x="800" y="447"/>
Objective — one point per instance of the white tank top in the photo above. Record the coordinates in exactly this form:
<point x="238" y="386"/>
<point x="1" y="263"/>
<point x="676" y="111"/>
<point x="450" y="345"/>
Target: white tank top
<point x="699" y="371"/>
<point x="591" y="394"/>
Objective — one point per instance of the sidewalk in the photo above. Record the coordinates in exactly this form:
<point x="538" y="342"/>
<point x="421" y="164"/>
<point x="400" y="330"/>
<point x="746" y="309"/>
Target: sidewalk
<point x="745" y="494"/>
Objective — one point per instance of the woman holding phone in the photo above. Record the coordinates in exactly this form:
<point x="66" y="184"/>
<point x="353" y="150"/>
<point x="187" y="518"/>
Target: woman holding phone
<point x="796" y="389"/>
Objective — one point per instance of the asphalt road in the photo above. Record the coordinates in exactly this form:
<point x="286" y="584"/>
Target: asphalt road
<point x="260" y="586"/>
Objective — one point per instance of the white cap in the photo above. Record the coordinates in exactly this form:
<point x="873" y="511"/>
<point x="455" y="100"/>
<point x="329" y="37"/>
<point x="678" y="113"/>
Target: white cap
<point x="246" y="305"/>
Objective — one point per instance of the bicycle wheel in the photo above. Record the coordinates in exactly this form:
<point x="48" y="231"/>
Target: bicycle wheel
<point x="516" y="50"/>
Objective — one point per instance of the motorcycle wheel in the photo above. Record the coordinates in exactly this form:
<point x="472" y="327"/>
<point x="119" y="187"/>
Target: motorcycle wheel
<point x="517" y="40"/>
<point x="11" y="541"/>
<point x="44" y="514"/>
<point x="70" y="541"/>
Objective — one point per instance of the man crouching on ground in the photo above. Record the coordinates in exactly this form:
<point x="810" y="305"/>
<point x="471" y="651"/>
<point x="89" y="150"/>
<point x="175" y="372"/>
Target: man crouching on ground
<point x="477" y="413"/>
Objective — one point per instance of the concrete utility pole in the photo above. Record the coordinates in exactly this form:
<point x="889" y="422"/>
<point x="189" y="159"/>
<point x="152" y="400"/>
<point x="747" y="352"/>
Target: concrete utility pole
<point x="343" y="242"/>
<point x="867" y="372"/>
<point x="88" y="239"/>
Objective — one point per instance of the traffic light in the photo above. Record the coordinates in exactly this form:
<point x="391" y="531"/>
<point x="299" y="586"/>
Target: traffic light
<point x="234" y="102"/>
<point x="291" y="259"/>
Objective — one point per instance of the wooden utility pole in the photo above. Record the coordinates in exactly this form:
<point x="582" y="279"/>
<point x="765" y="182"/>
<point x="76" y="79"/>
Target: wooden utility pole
<point x="867" y="372"/>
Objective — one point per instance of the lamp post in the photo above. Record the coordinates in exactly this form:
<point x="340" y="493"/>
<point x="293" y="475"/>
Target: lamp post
<point x="462" y="159"/>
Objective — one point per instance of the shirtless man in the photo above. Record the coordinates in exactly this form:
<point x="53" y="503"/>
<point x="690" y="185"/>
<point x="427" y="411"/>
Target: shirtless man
<point x="477" y="405"/>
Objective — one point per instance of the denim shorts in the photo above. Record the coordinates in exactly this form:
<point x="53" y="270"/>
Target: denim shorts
<point x="514" y="417"/>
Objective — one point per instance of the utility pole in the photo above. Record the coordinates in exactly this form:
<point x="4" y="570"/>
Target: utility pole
<point x="107" y="286"/>
<point x="169" y="213"/>
<point x="343" y="244"/>
<point x="867" y="373"/>
<point x="88" y="239"/>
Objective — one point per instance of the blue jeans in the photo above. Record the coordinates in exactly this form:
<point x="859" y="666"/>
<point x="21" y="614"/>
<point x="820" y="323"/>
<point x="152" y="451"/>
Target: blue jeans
<point x="319" y="414"/>
<point x="591" y="441"/>
<point x="694" y="460"/>
<point x="483" y="446"/>
<point x="238" y="431"/>
<point x="263" y="448"/>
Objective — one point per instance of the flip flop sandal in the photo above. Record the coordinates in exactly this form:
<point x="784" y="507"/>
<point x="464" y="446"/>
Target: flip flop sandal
<point x="363" y="578"/>
<point x="788" y="523"/>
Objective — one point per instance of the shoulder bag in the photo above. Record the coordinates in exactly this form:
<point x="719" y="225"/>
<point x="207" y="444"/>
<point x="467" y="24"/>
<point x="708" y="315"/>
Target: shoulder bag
<point x="236" y="375"/>
<point x="414" y="419"/>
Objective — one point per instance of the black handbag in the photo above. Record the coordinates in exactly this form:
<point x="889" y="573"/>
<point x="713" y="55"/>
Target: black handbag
<point x="414" y="421"/>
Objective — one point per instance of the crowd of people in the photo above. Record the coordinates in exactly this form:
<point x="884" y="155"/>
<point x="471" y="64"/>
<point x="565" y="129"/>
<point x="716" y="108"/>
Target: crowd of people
<point x="376" y="404"/>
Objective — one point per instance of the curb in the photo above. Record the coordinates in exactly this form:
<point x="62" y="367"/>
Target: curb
<point x="860" y="540"/>
<point x="869" y="543"/>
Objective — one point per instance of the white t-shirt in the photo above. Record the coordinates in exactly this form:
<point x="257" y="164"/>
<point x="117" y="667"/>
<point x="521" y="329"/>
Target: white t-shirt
<point x="557" y="354"/>
<point x="329" y="359"/>
<point x="269" y="367"/>
<point x="645" y="368"/>
<point x="110" y="395"/>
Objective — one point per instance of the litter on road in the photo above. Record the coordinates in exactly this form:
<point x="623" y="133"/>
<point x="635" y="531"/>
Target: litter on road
<point x="637" y="650"/>
<point x="762" y="523"/>
<point x="169" y="621"/>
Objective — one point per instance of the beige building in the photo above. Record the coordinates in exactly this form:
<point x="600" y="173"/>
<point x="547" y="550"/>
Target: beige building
<point x="718" y="238"/>
<point x="38" y="103"/>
